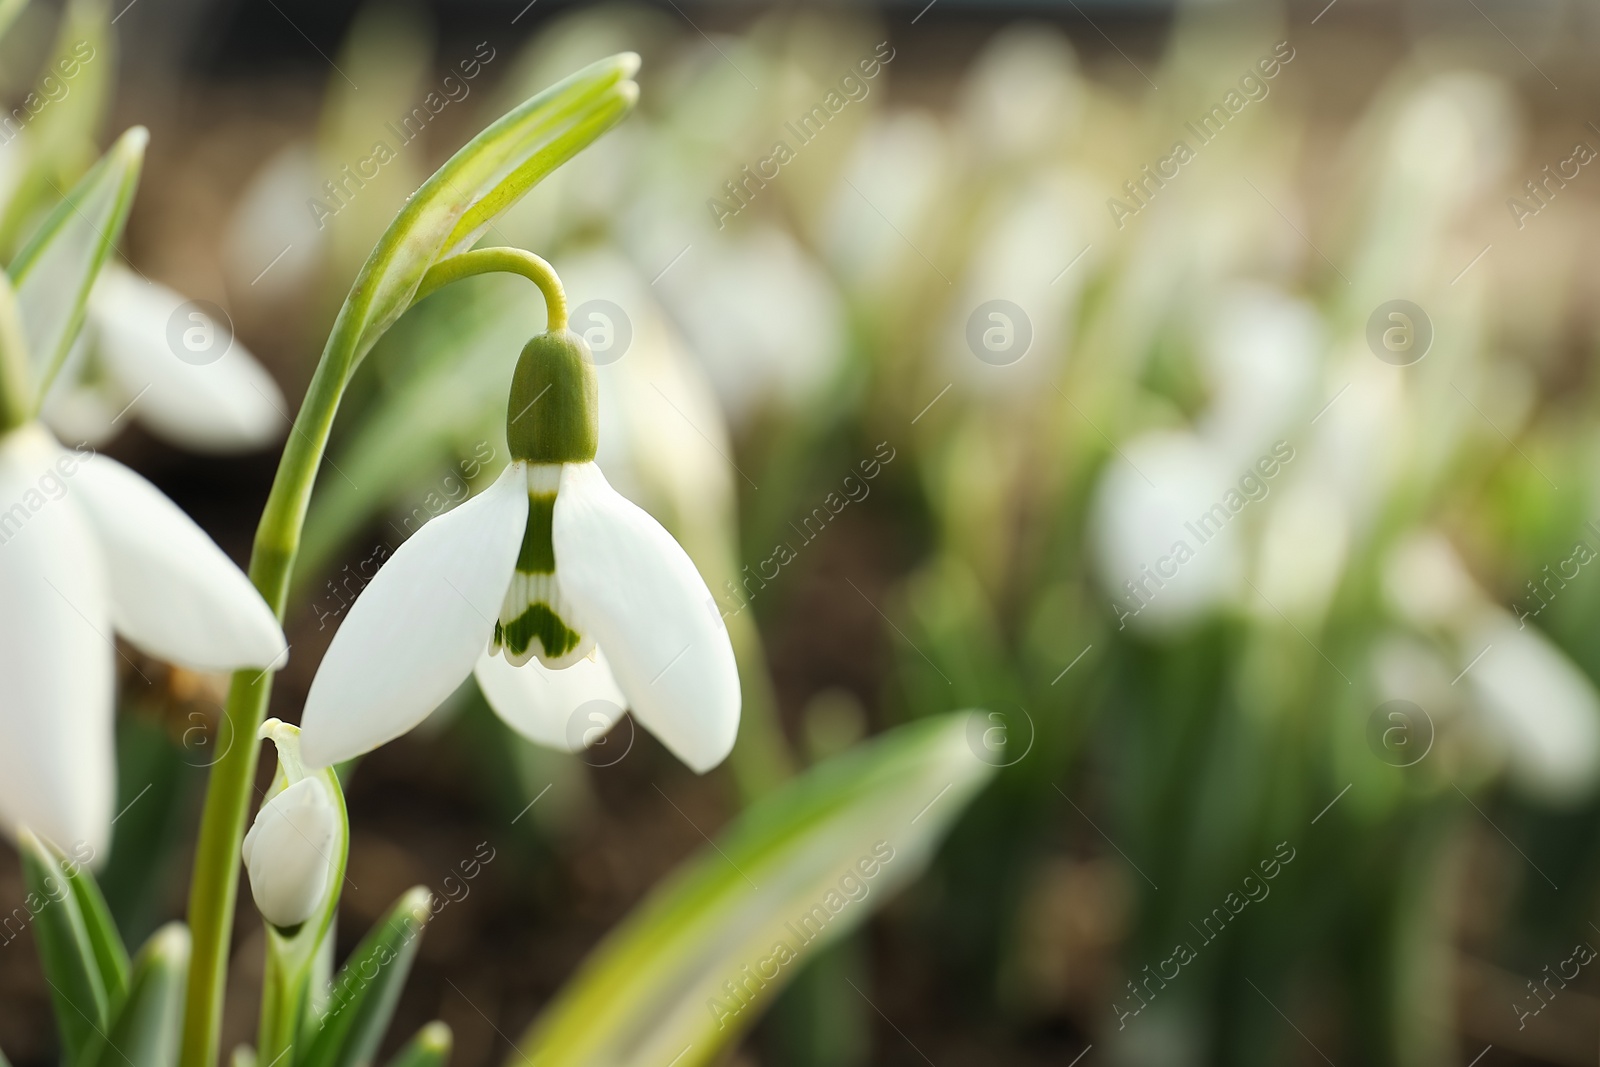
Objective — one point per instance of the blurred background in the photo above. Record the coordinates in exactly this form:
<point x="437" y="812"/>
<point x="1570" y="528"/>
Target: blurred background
<point x="1204" y="391"/>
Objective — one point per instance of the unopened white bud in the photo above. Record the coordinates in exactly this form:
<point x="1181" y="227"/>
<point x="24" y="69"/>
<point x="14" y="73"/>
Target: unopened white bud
<point x="288" y="850"/>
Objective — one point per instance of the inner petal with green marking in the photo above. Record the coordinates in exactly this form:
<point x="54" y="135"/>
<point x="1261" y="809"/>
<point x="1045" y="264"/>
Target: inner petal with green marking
<point x="534" y="621"/>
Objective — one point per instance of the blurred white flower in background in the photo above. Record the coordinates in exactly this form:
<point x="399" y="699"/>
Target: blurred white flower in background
<point x="126" y="366"/>
<point x="1540" y="706"/>
<point x="1260" y="356"/>
<point x="1022" y="96"/>
<point x="1034" y="233"/>
<point x="1135" y="524"/>
<point x="663" y="439"/>
<point x="900" y="167"/>
<point x="762" y="315"/>
<point x="273" y="242"/>
<point x="1540" y="713"/>
<point x="1455" y="135"/>
<point x="1426" y="584"/>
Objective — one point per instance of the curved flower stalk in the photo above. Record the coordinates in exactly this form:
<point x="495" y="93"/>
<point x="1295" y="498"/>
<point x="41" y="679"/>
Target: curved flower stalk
<point x="88" y="548"/>
<point x="125" y="362"/>
<point x="444" y="217"/>
<point x="549" y="564"/>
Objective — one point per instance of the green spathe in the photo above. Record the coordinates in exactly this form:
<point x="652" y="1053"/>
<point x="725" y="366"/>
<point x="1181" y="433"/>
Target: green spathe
<point x="553" y="414"/>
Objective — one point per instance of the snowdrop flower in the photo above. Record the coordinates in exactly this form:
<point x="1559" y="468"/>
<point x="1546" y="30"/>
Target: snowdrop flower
<point x="274" y="241"/>
<point x="1260" y="357"/>
<point x="287" y="850"/>
<point x="214" y="397"/>
<point x="1164" y="552"/>
<point x="1028" y="236"/>
<point x="1542" y="708"/>
<point x="88" y="548"/>
<point x="1023" y="92"/>
<point x="559" y="594"/>
<point x="296" y="848"/>
<point x="762" y="315"/>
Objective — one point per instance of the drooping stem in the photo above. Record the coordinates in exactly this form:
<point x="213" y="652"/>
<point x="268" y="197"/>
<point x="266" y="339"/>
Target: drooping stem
<point x="502" y="260"/>
<point x="215" y="883"/>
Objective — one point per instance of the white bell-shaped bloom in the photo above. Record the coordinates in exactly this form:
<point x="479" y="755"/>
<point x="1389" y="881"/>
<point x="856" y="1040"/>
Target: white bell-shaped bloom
<point x="150" y="354"/>
<point x="287" y="852"/>
<point x="616" y="616"/>
<point x="88" y="548"/>
<point x="763" y="316"/>
<point x="1260" y="358"/>
<point x="1543" y="709"/>
<point x="1163" y="527"/>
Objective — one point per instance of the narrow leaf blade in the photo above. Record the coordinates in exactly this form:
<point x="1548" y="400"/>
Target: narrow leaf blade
<point x="65" y="949"/>
<point x="145" y="1029"/>
<point x="57" y="267"/>
<point x="694" y="965"/>
<point x="110" y="954"/>
<point x="368" y="987"/>
<point x="480" y="181"/>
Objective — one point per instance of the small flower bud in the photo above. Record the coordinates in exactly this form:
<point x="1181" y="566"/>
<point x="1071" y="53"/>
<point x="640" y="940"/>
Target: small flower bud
<point x="553" y="412"/>
<point x="288" y="850"/>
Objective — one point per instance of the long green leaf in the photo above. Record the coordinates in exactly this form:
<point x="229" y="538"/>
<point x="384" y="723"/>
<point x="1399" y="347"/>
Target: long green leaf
<point x="66" y="131"/>
<point x="65" y="948"/>
<point x="110" y="954"/>
<point x="489" y="174"/>
<point x="429" y="1048"/>
<point x="695" y="964"/>
<point x="144" y="1030"/>
<point x="368" y="987"/>
<point x="74" y="87"/>
<point x="57" y="267"/>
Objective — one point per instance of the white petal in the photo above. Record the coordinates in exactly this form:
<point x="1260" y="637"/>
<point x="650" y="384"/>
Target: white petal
<point x="174" y="593"/>
<point x="57" y="772"/>
<point x="638" y="593"/>
<point x="288" y="852"/>
<point x="230" y="404"/>
<point x="417" y="629"/>
<point x="543" y="705"/>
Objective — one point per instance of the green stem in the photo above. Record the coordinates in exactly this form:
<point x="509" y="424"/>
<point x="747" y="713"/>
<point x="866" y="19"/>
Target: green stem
<point x="283" y="995"/>
<point x="215" y="885"/>
<point x="505" y="260"/>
